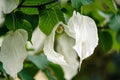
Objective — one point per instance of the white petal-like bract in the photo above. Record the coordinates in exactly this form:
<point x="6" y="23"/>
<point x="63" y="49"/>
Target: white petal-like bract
<point x="49" y="51"/>
<point x="84" y="30"/>
<point x="13" y="52"/>
<point x="62" y="52"/>
<point x="7" y="6"/>
<point x="64" y="46"/>
<point x="38" y="38"/>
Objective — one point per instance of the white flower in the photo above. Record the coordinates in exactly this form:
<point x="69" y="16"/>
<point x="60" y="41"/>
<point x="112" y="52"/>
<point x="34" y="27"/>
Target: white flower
<point x="7" y="6"/>
<point x="37" y="40"/>
<point x="13" y="52"/>
<point x="80" y="38"/>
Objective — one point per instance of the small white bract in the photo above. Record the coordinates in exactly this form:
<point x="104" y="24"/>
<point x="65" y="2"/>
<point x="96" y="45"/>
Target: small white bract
<point x="7" y="6"/>
<point x="37" y="40"/>
<point x="80" y="38"/>
<point x="13" y="52"/>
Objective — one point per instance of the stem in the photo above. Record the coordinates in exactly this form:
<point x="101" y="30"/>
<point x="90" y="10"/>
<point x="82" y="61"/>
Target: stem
<point x="37" y="6"/>
<point x="81" y="9"/>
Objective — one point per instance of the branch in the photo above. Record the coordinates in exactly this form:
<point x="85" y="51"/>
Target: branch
<point x="37" y="6"/>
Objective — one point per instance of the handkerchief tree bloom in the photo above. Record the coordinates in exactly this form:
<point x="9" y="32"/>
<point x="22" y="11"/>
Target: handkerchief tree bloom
<point x="79" y="38"/>
<point x="13" y="52"/>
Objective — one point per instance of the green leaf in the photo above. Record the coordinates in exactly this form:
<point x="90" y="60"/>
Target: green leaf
<point x="49" y="18"/>
<point x="59" y="74"/>
<point x="30" y="11"/>
<point x="115" y="22"/>
<point x="35" y="2"/>
<point x="3" y="30"/>
<point x="115" y="45"/>
<point x="105" y="40"/>
<point x="33" y="19"/>
<point x="76" y="3"/>
<point x="10" y="21"/>
<point x="30" y="67"/>
<point x="86" y="2"/>
<point x="106" y="6"/>
<point x="1" y="69"/>
<point x="110" y="5"/>
<point x="39" y="60"/>
<point x="24" y="75"/>
<point x="49" y="74"/>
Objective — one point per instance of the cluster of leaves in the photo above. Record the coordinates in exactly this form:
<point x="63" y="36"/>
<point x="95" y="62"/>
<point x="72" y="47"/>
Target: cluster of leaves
<point x="46" y="13"/>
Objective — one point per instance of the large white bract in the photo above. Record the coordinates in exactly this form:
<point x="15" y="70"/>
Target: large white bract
<point x="80" y="38"/>
<point x="13" y="52"/>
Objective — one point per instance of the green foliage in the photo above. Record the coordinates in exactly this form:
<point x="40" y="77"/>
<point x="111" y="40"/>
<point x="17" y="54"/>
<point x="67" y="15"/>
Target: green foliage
<point x="46" y="14"/>
<point x="19" y="20"/>
<point x="30" y="11"/>
<point x="49" y="18"/>
<point x="118" y="36"/>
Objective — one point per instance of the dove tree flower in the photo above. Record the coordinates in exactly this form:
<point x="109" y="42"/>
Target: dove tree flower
<point x="7" y="6"/>
<point x="13" y="52"/>
<point x="78" y="39"/>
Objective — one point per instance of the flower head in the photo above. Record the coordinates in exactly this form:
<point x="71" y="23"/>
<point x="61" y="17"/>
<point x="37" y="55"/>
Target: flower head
<point x="79" y="38"/>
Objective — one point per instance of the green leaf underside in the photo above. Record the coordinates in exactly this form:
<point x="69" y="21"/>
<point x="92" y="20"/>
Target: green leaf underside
<point x="24" y="75"/>
<point x="115" y="22"/>
<point x="40" y="61"/>
<point x="86" y="2"/>
<point x="49" y="18"/>
<point x="76" y="3"/>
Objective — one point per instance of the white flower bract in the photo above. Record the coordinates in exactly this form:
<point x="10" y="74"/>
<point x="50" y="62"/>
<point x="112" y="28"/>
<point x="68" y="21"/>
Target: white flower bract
<point x="7" y="6"/>
<point x="13" y="52"/>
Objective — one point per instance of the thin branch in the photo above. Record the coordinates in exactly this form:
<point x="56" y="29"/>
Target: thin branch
<point x="37" y="6"/>
<point x="102" y="28"/>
